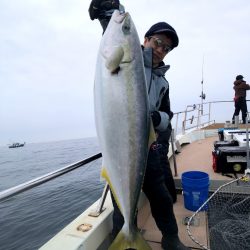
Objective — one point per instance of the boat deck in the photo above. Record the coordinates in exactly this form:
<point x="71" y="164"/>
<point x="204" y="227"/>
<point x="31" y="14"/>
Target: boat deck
<point x="198" y="156"/>
<point x="194" y="156"/>
<point x="153" y="235"/>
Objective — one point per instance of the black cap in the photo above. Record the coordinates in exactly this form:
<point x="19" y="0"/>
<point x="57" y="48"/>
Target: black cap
<point x="163" y="27"/>
<point x="239" y="77"/>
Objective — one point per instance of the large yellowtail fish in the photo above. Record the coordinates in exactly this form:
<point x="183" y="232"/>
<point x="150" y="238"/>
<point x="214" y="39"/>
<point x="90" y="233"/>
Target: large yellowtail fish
<point x="123" y="121"/>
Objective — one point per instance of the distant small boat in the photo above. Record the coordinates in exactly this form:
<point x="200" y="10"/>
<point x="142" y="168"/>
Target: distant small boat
<point x="17" y="145"/>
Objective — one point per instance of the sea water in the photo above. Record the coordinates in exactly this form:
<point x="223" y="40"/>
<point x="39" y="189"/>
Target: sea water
<point x="31" y="218"/>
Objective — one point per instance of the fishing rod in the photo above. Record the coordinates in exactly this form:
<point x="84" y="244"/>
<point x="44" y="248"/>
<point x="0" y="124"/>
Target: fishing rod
<point x="203" y="95"/>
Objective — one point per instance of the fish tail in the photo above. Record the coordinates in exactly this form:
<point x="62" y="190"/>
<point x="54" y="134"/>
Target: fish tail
<point x="123" y="242"/>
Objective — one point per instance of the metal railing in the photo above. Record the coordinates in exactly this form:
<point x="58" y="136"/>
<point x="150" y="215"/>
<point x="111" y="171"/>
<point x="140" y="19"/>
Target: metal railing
<point x="45" y="178"/>
<point x="195" y="116"/>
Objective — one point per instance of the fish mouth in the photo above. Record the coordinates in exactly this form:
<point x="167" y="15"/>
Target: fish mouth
<point x="120" y="17"/>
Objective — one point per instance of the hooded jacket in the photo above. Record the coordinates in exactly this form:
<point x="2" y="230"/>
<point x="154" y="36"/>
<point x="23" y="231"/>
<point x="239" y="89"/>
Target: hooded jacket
<point x="158" y="88"/>
<point x="240" y="88"/>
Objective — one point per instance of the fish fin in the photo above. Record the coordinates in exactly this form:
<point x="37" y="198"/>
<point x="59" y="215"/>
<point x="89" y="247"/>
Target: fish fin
<point x="113" y="61"/>
<point x="152" y="135"/>
<point x="105" y="175"/>
<point x="128" y="56"/>
<point x="122" y="242"/>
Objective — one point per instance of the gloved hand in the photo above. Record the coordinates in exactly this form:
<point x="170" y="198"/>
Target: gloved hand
<point x="170" y="126"/>
<point x="156" y="118"/>
<point x="98" y="7"/>
<point x="171" y="114"/>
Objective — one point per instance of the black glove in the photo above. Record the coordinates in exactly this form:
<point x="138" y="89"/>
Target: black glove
<point x="163" y="137"/>
<point x="170" y="126"/>
<point x="98" y="7"/>
<point x="170" y="114"/>
<point x="156" y="118"/>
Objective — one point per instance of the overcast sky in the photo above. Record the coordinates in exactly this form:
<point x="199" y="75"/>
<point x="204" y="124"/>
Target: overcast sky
<point x="48" y="52"/>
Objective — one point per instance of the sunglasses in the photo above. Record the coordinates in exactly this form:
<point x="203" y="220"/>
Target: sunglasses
<point x="159" y="43"/>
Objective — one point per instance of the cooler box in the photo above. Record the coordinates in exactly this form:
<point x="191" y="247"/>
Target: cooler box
<point x="229" y="160"/>
<point x="218" y="144"/>
<point x="215" y="159"/>
<point x="241" y="138"/>
<point x="228" y="134"/>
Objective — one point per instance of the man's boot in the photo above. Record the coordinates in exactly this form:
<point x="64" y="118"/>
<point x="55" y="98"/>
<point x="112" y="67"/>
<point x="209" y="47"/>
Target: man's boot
<point x="172" y="242"/>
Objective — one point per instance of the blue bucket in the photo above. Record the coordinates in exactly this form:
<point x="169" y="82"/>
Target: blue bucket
<point x="195" y="186"/>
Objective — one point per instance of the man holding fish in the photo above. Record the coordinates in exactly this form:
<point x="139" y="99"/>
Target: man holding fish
<point x="130" y="90"/>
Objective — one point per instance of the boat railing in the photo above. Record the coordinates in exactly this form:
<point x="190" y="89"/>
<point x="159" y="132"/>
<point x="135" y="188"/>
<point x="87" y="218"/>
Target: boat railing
<point x="195" y="116"/>
<point x="45" y="178"/>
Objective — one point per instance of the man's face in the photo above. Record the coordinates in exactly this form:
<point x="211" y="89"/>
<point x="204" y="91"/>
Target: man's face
<point x="161" y="45"/>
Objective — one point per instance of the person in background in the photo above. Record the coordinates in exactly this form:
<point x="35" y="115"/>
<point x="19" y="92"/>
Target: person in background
<point x="240" y="88"/>
<point x="159" y="40"/>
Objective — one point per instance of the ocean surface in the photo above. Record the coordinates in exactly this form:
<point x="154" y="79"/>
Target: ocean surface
<point x="31" y="218"/>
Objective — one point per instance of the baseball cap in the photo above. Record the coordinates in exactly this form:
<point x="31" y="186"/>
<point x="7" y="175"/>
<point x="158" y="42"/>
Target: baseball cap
<point x="163" y="27"/>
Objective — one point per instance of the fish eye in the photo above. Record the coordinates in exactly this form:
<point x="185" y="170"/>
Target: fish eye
<point x="126" y="26"/>
<point x="126" y="29"/>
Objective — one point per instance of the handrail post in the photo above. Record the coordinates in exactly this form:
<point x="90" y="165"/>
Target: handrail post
<point x="209" y="114"/>
<point x="173" y="153"/>
<point x="176" y="123"/>
<point x="184" y="122"/>
<point x="199" y="116"/>
<point x="100" y="208"/>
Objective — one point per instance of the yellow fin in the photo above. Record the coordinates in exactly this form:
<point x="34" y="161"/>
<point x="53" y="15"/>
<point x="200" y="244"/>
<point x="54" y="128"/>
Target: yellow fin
<point x="121" y="242"/>
<point x="105" y="175"/>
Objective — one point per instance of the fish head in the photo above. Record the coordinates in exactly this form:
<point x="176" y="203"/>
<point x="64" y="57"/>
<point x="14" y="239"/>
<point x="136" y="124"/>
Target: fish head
<point x="119" y="41"/>
<point x="123" y="20"/>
